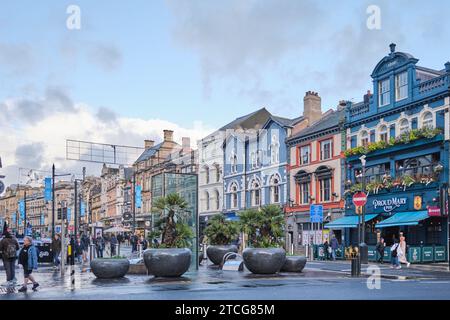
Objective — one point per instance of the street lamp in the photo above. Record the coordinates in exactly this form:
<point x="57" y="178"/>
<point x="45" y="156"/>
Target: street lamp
<point x="362" y="245"/>
<point x="53" y="197"/>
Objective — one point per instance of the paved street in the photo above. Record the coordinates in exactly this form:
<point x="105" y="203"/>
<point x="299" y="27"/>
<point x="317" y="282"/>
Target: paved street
<point x="320" y="280"/>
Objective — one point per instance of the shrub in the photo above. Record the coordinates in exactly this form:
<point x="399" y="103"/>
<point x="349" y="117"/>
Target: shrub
<point x="221" y="231"/>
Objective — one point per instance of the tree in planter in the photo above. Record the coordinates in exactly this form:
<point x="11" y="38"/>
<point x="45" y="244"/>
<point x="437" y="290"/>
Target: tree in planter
<point x="172" y="226"/>
<point x="264" y="226"/>
<point x="221" y="231"/>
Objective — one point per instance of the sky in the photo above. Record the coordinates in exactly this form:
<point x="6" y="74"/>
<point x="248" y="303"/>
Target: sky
<point x="134" y="68"/>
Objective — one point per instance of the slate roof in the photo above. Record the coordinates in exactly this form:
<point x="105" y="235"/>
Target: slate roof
<point x="285" y="121"/>
<point x="148" y="153"/>
<point x="239" y="121"/>
<point x="328" y="121"/>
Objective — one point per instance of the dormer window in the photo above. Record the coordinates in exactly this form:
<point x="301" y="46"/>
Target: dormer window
<point x="401" y="86"/>
<point x="384" y="92"/>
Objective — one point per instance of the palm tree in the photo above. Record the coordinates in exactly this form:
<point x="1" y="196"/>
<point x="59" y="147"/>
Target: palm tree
<point x="220" y="231"/>
<point x="172" y="210"/>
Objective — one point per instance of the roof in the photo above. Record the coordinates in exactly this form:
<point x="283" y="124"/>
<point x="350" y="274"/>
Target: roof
<point x="240" y="122"/>
<point x="328" y="121"/>
<point x="436" y="72"/>
<point x="285" y="121"/>
<point x="148" y="153"/>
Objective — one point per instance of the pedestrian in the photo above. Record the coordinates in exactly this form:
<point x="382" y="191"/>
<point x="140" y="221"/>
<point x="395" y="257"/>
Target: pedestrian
<point x="29" y="261"/>
<point x="9" y="246"/>
<point x="326" y="249"/>
<point x="134" y="243"/>
<point x="78" y="250"/>
<point x="155" y="243"/>
<point x="56" y="250"/>
<point x="99" y="246"/>
<point x="144" y="243"/>
<point x="402" y="256"/>
<point x="334" y="247"/>
<point x="86" y="243"/>
<point x="395" y="252"/>
<point x="380" y="249"/>
<point x="119" y="238"/>
<point x="113" y="243"/>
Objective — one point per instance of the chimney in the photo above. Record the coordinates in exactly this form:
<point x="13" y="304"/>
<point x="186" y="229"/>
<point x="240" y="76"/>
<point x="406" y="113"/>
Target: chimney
<point x="148" y="144"/>
<point x="392" y="47"/>
<point x="447" y="69"/>
<point x="168" y="135"/>
<point x="186" y="143"/>
<point x="341" y="105"/>
<point x="312" y="106"/>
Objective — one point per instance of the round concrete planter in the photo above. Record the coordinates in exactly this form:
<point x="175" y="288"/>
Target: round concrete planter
<point x="110" y="268"/>
<point x="264" y="260"/>
<point x="216" y="253"/>
<point x="167" y="262"/>
<point x="294" y="264"/>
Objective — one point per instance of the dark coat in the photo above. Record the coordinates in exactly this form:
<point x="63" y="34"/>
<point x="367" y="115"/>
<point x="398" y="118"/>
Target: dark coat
<point x="8" y="240"/>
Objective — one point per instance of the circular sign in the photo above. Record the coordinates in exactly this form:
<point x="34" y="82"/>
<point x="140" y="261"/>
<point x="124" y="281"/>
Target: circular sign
<point x="359" y="199"/>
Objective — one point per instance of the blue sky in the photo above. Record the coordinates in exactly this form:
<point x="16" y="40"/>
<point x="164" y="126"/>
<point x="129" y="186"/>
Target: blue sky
<point x="190" y="65"/>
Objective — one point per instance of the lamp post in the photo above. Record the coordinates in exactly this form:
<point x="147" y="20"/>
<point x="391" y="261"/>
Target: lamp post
<point x="362" y="244"/>
<point x="54" y="175"/>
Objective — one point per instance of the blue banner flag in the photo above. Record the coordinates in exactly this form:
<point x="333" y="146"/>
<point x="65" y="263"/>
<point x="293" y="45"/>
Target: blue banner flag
<point x="22" y="208"/>
<point x="13" y="218"/>
<point x="48" y="189"/>
<point x="138" y="196"/>
<point x="42" y="220"/>
<point x="82" y="208"/>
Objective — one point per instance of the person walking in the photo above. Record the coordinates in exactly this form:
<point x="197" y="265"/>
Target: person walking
<point x="113" y="243"/>
<point x="326" y="249"/>
<point x="334" y="247"/>
<point x="144" y="243"/>
<point x="402" y="256"/>
<point x="395" y="252"/>
<point x="99" y="246"/>
<point x="134" y="243"/>
<point x="86" y="243"/>
<point x="29" y="261"/>
<point x="56" y="250"/>
<point x="380" y="249"/>
<point x="78" y="250"/>
<point x="9" y="246"/>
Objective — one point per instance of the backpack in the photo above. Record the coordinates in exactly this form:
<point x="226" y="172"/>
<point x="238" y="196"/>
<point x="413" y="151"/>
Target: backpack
<point x="10" y="251"/>
<point x="394" y="252"/>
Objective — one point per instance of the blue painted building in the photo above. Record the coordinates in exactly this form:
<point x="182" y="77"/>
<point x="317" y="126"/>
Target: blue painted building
<point x="255" y="165"/>
<point x="402" y="128"/>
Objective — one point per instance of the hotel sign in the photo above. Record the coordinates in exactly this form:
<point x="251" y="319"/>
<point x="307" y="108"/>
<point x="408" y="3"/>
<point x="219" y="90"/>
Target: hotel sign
<point x="389" y="205"/>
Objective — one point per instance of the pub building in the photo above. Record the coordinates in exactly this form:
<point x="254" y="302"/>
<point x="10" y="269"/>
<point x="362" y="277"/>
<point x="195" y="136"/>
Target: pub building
<point x="402" y="129"/>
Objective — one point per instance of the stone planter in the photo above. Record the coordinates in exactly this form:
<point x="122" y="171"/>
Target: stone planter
<point x="167" y="262"/>
<point x="109" y="268"/>
<point x="294" y="264"/>
<point x="264" y="260"/>
<point x="216" y="253"/>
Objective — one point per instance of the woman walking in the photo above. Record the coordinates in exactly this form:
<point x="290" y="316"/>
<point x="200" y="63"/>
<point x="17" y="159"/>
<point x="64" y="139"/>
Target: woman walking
<point x="396" y="250"/>
<point x="29" y="261"/>
<point x="402" y="257"/>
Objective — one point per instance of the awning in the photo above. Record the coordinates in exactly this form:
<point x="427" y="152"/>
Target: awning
<point x="410" y="218"/>
<point x="348" y="221"/>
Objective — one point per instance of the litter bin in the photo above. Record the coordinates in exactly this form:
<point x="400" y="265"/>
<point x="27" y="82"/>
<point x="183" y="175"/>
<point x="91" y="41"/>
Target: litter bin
<point x="372" y="253"/>
<point x="356" y="270"/>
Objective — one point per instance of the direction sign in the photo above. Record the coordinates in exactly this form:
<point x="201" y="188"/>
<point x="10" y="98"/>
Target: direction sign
<point x="359" y="199"/>
<point x="316" y="213"/>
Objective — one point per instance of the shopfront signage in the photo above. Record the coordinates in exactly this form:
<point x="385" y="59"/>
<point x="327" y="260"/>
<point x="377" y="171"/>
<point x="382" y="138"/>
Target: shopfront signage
<point x="389" y="205"/>
<point x="417" y="202"/>
<point x="434" y="211"/>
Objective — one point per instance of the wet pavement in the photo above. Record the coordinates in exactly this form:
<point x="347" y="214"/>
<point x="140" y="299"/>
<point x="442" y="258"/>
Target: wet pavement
<point x="319" y="280"/>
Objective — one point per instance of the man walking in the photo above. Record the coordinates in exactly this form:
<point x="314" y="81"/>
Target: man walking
<point x="56" y="250"/>
<point x="380" y="249"/>
<point x="100" y="246"/>
<point x="85" y="244"/>
<point x="9" y="246"/>
<point x="334" y="247"/>
<point x="113" y="243"/>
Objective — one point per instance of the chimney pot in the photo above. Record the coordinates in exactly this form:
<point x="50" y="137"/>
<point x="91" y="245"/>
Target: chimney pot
<point x="168" y="135"/>
<point x="149" y="144"/>
<point x="392" y="47"/>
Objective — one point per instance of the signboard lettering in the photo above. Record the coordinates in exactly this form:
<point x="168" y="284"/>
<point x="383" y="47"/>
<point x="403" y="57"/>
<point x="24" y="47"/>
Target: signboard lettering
<point x="389" y="205"/>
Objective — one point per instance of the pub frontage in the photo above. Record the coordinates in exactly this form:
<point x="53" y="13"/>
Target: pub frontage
<point x="398" y="154"/>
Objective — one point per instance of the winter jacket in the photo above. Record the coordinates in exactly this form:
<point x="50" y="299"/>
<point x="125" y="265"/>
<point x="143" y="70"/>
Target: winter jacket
<point x="334" y="243"/>
<point x="7" y="241"/>
<point x="56" y="245"/>
<point x="32" y="257"/>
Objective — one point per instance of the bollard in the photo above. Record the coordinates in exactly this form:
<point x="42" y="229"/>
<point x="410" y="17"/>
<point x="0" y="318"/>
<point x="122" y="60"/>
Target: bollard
<point x="92" y="253"/>
<point x="118" y="249"/>
<point x="356" y="271"/>
<point x="140" y="250"/>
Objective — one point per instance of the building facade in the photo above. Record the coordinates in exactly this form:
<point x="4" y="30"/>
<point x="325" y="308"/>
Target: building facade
<point x="402" y="130"/>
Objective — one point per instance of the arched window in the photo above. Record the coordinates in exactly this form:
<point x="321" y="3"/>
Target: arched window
<point x="234" y="195"/>
<point x="404" y="126"/>
<point x="253" y="160"/>
<point x="233" y="163"/>
<point x="207" y="201"/>
<point x="275" y="150"/>
<point x="217" y="173"/>
<point x="383" y="133"/>
<point x="427" y="120"/>
<point x="364" y="138"/>
<point x="207" y="174"/>
<point x="217" y="199"/>
<point x="275" y="189"/>
<point x="256" y="193"/>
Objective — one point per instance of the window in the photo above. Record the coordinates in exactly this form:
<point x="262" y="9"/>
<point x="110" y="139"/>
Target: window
<point x="217" y="198"/>
<point x="233" y="163"/>
<point x="259" y="158"/>
<point x="274" y="150"/>
<point x="207" y="174"/>
<point x="304" y="193"/>
<point x="427" y="120"/>
<point x="253" y="160"/>
<point x="305" y="154"/>
<point x="401" y="86"/>
<point x="217" y="173"/>
<point x="364" y="138"/>
<point x="404" y="126"/>
<point x="234" y="196"/>
<point x="256" y="194"/>
<point x="275" y="190"/>
<point x="383" y="134"/>
<point x="325" y="189"/>
<point x="207" y="201"/>
<point x="384" y="92"/>
<point x="325" y="149"/>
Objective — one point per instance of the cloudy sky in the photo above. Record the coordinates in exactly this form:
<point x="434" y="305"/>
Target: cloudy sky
<point x="137" y="67"/>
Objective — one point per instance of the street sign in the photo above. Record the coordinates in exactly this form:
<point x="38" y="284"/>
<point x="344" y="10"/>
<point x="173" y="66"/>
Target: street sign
<point x="58" y="229"/>
<point x="2" y="187"/>
<point x="359" y="199"/>
<point x="316" y="213"/>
